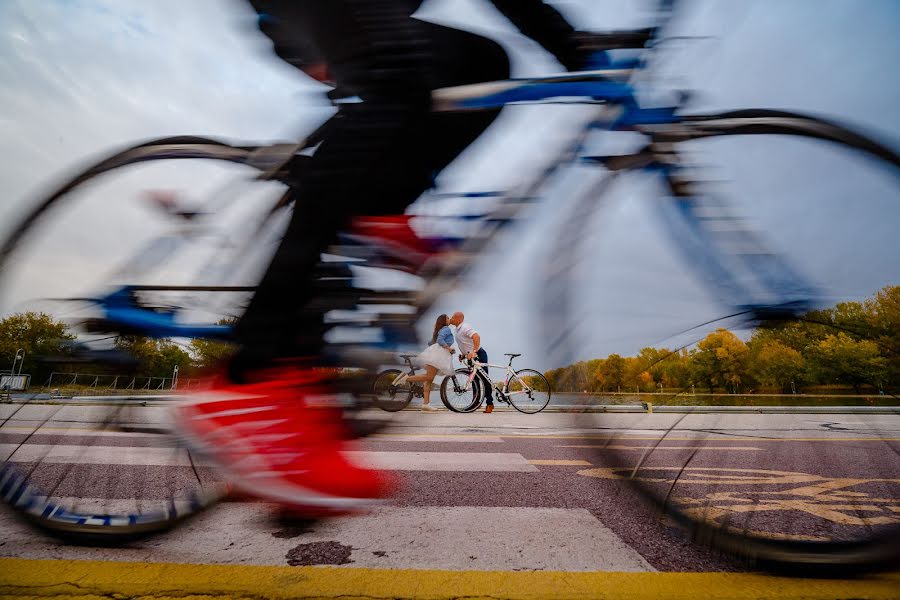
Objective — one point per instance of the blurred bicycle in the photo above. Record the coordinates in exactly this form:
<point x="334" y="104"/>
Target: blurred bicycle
<point x="190" y="263"/>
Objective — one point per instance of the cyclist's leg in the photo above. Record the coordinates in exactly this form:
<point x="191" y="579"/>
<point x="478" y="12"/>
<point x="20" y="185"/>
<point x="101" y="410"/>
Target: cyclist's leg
<point x="367" y="165"/>
<point x="284" y="22"/>
<point x="403" y="159"/>
<point x="382" y="53"/>
<point x="483" y="358"/>
<point x="462" y="58"/>
<point x="427" y="379"/>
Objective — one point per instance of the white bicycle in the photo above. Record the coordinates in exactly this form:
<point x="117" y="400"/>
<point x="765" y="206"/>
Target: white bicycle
<point x="526" y="390"/>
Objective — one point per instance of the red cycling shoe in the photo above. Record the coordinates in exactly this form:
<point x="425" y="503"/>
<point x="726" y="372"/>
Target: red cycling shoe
<point x="273" y="441"/>
<point x="392" y="240"/>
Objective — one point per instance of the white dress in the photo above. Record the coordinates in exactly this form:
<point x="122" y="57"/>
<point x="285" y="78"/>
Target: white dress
<point x="438" y="357"/>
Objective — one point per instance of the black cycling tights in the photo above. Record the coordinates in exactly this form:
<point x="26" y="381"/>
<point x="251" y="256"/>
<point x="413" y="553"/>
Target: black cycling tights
<point x="379" y="154"/>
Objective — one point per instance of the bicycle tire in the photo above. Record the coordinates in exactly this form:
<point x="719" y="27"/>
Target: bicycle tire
<point x="28" y="488"/>
<point x="386" y="395"/>
<point x="537" y="400"/>
<point x="458" y="400"/>
<point x="788" y="553"/>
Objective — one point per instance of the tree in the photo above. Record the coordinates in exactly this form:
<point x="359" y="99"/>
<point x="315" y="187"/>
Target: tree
<point x="208" y="353"/>
<point x="798" y="335"/>
<point x="774" y="364"/>
<point x="841" y="359"/>
<point x="851" y="343"/>
<point x="610" y="373"/>
<point x="721" y="361"/>
<point x="884" y="318"/>
<point x="158" y="357"/>
<point x="39" y="335"/>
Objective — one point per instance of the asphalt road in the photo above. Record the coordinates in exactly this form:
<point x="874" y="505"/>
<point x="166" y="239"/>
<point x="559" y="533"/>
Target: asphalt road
<point x="487" y="494"/>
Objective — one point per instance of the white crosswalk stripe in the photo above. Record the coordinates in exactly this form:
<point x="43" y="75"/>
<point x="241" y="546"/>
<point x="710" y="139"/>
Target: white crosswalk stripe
<point x="179" y="457"/>
<point x="432" y="537"/>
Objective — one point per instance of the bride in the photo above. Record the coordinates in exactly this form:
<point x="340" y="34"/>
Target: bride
<point x="438" y="357"/>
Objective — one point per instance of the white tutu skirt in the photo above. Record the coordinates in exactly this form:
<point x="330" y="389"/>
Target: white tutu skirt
<point x="438" y="357"/>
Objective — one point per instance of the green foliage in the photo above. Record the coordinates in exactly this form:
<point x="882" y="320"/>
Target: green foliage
<point x="775" y="365"/>
<point x="841" y="359"/>
<point x="43" y="338"/>
<point x="39" y="335"/>
<point x="158" y="357"/>
<point x="208" y="353"/>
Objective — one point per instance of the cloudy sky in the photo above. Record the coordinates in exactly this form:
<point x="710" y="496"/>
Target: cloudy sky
<point x="81" y="77"/>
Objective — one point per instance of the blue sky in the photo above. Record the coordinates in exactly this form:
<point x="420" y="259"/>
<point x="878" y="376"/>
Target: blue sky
<point x="83" y="77"/>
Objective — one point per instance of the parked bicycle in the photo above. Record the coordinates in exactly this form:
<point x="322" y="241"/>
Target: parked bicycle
<point x="392" y="394"/>
<point x="526" y="390"/>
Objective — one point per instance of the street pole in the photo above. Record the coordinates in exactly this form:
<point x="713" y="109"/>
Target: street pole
<point x="20" y="358"/>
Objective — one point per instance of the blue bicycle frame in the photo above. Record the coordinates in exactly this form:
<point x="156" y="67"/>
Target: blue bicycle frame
<point x="780" y="290"/>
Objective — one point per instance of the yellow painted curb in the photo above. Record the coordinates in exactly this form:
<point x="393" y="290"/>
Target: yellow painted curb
<point x="95" y="579"/>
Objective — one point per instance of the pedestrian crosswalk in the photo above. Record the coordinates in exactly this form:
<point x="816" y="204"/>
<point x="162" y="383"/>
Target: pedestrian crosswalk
<point x="477" y="498"/>
<point x="419" y="531"/>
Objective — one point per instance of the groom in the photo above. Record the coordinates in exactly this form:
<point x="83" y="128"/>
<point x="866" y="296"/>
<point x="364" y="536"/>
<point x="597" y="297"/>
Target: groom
<point x="469" y="343"/>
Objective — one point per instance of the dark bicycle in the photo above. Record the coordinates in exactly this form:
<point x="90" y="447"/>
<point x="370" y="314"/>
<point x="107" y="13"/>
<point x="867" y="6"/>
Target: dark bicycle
<point x="392" y="396"/>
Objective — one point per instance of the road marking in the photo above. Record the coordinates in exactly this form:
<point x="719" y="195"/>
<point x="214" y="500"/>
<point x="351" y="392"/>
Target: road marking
<point x="443" y="461"/>
<point x="575" y="463"/>
<point x="655" y="448"/>
<point x="724" y="437"/>
<point x="428" y="437"/>
<point x="825" y="498"/>
<point x="49" y="578"/>
<point x="96" y="455"/>
<point x="179" y="457"/>
<point x="81" y="431"/>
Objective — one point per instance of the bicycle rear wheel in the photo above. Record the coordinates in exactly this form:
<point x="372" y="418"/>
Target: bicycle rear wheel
<point x="457" y="397"/>
<point x="529" y="391"/>
<point x="811" y="482"/>
<point x="96" y="461"/>
<point x="388" y="396"/>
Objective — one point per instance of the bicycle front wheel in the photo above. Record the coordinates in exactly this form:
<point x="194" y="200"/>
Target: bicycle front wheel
<point x="785" y="221"/>
<point x="528" y="391"/>
<point x="459" y="398"/>
<point x="158" y="216"/>
<point x="388" y="396"/>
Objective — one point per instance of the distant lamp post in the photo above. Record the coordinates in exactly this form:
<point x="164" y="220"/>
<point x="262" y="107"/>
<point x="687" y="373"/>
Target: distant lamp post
<point x="19" y="358"/>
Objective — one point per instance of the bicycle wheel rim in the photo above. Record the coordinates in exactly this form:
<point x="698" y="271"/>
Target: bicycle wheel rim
<point x="102" y="469"/>
<point x="454" y="395"/>
<point x="529" y="391"/>
<point x="786" y="539"/>
<point x="389" y="397"/>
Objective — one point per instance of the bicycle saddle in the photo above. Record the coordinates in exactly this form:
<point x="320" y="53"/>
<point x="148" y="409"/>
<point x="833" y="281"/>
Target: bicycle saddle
<point x="512" y="355"/>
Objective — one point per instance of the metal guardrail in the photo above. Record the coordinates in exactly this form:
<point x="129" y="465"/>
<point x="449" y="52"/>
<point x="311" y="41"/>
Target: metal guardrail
<point x="653" y="408"/>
